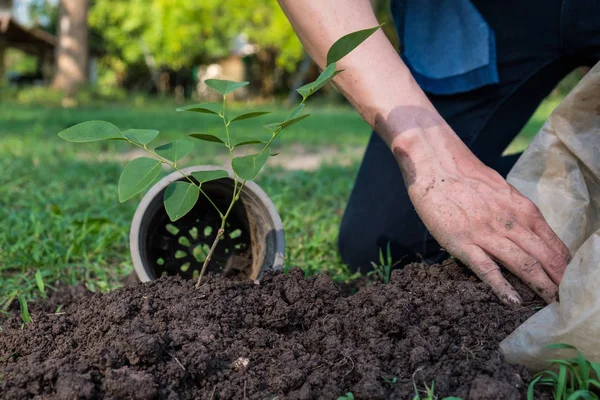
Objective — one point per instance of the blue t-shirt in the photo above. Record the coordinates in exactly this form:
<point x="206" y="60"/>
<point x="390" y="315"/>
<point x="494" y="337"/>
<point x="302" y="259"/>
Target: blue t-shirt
<point x="446" y="44"/>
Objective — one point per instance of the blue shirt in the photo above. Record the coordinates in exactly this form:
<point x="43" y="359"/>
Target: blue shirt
<point x="447" y="45"/>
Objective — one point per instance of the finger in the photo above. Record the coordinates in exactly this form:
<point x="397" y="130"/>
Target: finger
<point x="524" y="266"/>
<point x="551" y="259"/>
<point x="489" y="272"/>
<point x="562" y="255"/>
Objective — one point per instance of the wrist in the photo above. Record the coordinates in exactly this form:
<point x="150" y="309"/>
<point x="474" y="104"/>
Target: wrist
<point x="426" y="141"/>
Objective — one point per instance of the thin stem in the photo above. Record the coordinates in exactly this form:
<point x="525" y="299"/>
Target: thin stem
<point x="271" y="140"/>
<point x="236" y="197"/>
<point x="278" y="131"/>
<point x="210" y="252"/>
<point x="230" y="148"/>
<point x="172" y="165"/>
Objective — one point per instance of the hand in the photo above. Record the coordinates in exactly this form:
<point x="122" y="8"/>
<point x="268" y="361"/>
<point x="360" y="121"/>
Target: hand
<point x="481" y="219"/>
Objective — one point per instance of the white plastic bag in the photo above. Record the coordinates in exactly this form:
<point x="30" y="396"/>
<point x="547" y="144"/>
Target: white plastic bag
<point x="560" y="173"/>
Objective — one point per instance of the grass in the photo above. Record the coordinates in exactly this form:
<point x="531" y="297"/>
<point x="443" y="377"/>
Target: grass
<point x="570" y="378"/>
<point x="62" y="221"/>
<point x="383" y="270"/>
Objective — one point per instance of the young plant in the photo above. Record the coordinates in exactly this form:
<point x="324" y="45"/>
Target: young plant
<point x="40" y="283"/>
<point x="347" y="396"/>
<point x="383" y="270"/>
<point x="181" y="196"/>
<point x="429" y="393"/>
<point x="24" y="309"/>
<point x="572" y="378"/>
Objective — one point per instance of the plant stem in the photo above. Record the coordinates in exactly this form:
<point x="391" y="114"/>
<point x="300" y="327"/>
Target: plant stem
<point x="210" y="253"/>
<point x="235" y="198"/>
<point x="229" y="147"/>
<point x="278" y="131"/>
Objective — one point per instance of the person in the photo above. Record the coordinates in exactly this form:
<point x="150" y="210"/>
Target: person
<point x="470" y="75"/>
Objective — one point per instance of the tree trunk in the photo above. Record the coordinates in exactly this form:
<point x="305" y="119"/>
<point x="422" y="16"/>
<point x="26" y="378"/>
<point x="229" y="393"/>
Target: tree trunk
<point x="72" y="47"/>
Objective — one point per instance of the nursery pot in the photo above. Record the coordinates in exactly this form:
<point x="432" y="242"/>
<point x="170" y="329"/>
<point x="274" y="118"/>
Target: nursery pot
<point x="253" y="241"/>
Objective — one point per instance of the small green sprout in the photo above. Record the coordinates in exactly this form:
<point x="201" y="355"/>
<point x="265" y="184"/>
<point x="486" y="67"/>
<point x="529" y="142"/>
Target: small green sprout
<point x="180" y="197"/>
<point x="347" y="396"/>
<point x="571" y="378"/>
<point x="40" y="283"/>
<point x="429" y="393"/>
<point x="24" y="309"/>
<point x="383" y="270"/>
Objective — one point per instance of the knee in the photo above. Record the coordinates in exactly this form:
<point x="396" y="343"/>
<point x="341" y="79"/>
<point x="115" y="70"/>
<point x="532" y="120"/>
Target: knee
<point x="356" y="249"/>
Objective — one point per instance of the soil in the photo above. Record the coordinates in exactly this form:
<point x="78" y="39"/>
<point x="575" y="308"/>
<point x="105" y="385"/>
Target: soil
<point x="286" y="337"/>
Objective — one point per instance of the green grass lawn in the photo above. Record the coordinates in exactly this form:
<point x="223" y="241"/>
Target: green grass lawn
<point x="58" y="201"/>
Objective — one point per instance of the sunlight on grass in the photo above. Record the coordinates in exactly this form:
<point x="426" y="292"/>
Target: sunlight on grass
<point x="61" y="215"/>
<point x="533" y="126"/>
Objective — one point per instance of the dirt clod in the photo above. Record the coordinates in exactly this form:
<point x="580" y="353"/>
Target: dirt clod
<point x="291" y="337"/>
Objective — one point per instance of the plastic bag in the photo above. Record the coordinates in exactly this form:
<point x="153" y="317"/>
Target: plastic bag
<point x="560" y="173"/>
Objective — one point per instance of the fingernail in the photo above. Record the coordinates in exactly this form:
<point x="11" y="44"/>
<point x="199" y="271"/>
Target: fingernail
<point x="513" y="299"/>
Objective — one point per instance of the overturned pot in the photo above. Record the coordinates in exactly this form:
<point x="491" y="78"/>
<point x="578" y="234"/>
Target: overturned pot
<point x="253" y="241"/>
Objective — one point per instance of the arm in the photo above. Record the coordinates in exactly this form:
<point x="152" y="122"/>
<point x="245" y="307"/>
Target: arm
<point x="469" y="208"/>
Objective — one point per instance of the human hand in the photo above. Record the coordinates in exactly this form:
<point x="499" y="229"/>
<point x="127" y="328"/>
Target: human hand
<point x="481" y="219"/>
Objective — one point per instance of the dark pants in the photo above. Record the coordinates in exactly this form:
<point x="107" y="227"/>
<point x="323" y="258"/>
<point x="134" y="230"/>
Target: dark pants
<point x="538" y="43"/>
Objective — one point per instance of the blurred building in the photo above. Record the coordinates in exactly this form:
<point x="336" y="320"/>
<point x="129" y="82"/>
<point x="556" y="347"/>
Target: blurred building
<point x="33" y="41"/>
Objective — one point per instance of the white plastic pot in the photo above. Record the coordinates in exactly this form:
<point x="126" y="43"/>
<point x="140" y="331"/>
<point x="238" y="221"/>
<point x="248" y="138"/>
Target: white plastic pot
<point x="253" y="241"/>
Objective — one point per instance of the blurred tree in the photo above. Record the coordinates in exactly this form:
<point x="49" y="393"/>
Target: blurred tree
<point x="180" y="33"/>
<point x="72" y="47"/>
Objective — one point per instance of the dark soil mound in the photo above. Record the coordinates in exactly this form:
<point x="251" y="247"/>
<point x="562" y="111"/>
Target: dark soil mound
<point x="287" y="337"/>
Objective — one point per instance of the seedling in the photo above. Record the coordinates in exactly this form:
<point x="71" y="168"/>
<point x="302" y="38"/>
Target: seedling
<point x="577" y="378"/>
<point x="181" y="196"/>
<point x="24" y="309"/>
<point x="40" y="283"/>
<point x="384" y="269"/>
<point x="428" y="392"/>
<point x="347" y="396"/>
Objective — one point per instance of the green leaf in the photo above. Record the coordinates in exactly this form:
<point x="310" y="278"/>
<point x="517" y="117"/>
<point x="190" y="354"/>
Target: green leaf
<point x="584" y="367"/>
<point x="561" y="384"/>
<point x="24" y="310"/>
<point x="347" y="43"/>
<point x="40" y="283"/>
<point x="247" y="167"/>
<point x="275" y="126"/>
<point x="180" y="198"/>
<point x="582" y="394"/>
<point x="141" y="136"/>
<point x="223" y="86"/>
<point x="91" y="131"/>
<point x="205" y="108"/>
<point x="176" y="150"/>
<point x="327" y="75"/>
<point x="531" y="388"/>
<point x="208" y="137"/>
<point x="594" y="382"/>
<point x="206" y="176"/>
<point x="248" y="115"/>
<point x="596" y="367"/>
<point x="235" y="141"/>
<point x="560" y="346"/>
<point x="245" y="140"/>
<point x="136" y="176"/>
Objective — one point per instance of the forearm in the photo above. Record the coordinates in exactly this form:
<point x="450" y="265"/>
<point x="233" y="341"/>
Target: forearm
<point x="375" y="80"/>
